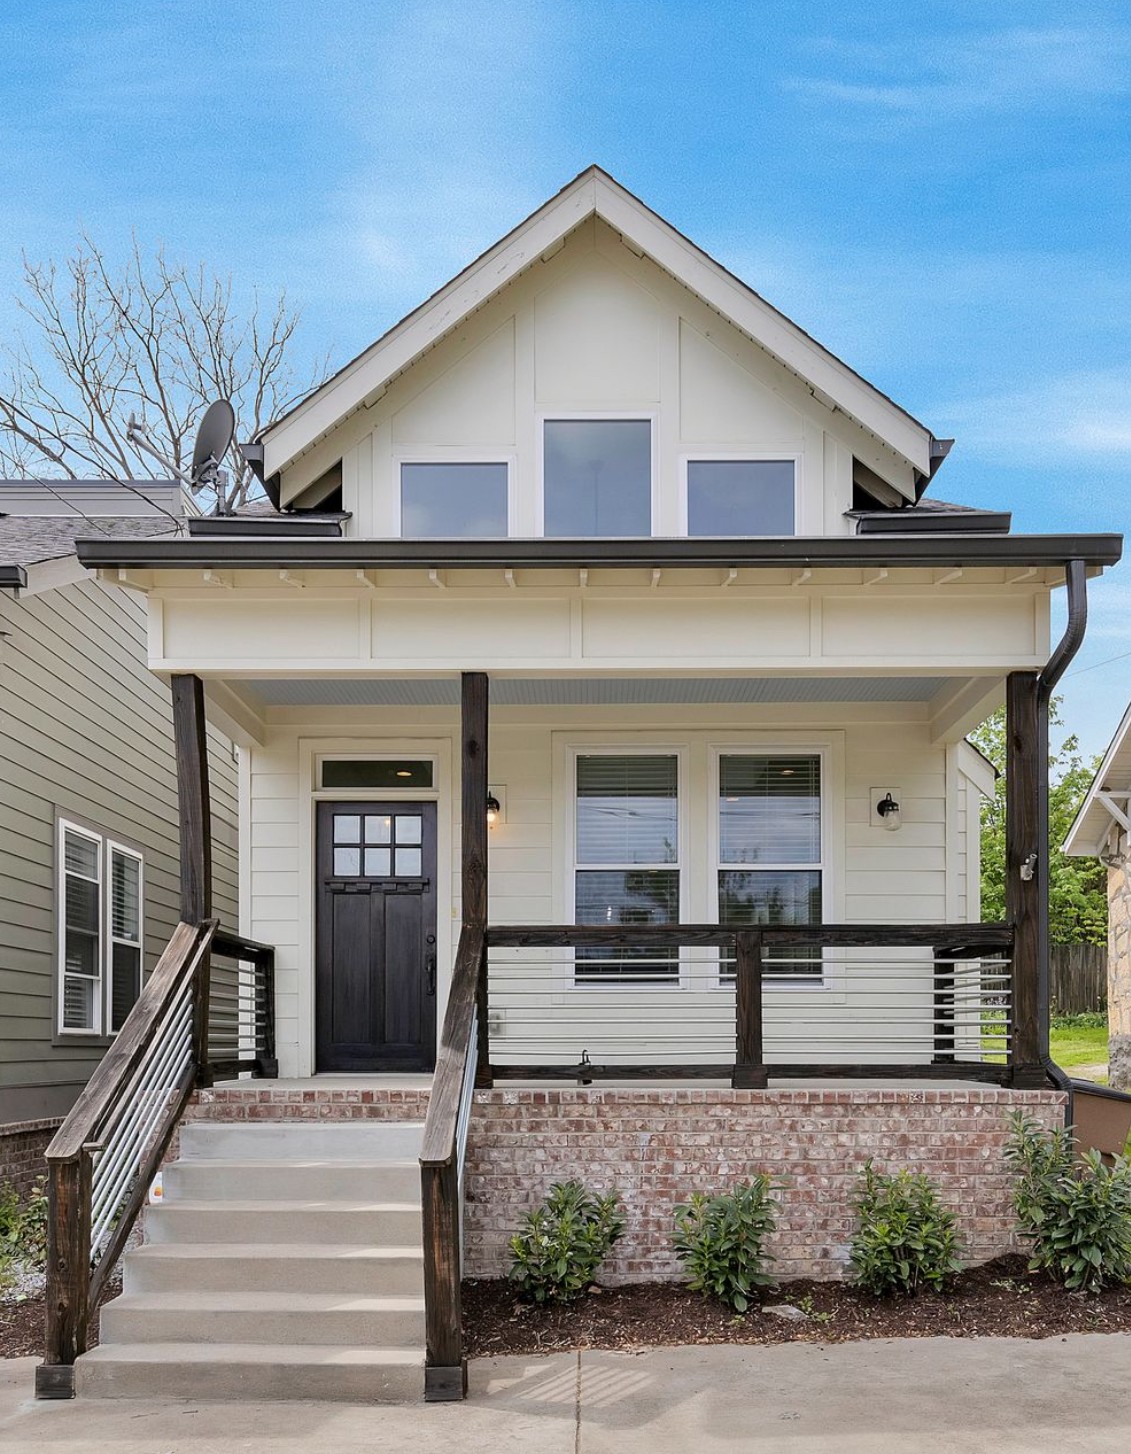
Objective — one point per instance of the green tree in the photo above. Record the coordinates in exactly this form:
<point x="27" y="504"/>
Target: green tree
<point x="1077" y="886"/>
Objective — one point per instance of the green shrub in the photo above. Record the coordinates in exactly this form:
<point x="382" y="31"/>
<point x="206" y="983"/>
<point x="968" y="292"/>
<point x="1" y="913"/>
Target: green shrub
<point x="721" y="1241"/>
<point x="23" y="1231"/>
<point x="563" y="1242"/>
<point x="1084" y="1020"/>
<point x="1075" y="1213"/>
<point x="905" y="1239"/>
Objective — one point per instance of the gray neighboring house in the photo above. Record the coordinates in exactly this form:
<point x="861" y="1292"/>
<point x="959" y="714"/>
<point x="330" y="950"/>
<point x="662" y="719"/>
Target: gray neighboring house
<point x="89" y="859"/>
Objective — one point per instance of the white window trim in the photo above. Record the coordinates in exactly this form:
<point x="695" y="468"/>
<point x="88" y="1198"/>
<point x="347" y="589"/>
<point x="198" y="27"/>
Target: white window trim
<point x="446" y="454"/>
<point x="823" y="753"/>
<point x="112" y="847"/>
<point x="742" y="456"/>
<point x="107" y="846"/>
<point x="649" y="416"/>
<point x="682" y="865"/>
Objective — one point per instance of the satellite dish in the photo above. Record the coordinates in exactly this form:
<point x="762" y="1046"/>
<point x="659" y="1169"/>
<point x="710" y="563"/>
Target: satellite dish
<point x="213" y="441"/>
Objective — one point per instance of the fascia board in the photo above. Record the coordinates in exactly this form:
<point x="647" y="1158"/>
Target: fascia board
<point x="1091" y="824"/>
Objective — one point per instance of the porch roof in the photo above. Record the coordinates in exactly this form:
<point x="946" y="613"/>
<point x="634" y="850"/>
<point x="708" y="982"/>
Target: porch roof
<point x="827" y="552"/>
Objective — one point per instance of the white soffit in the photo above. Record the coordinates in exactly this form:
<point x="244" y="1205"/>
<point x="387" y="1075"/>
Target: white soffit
<point x="593" y="193"/>
<point x="584" y="691"/>
<point x="1095" y="819"/>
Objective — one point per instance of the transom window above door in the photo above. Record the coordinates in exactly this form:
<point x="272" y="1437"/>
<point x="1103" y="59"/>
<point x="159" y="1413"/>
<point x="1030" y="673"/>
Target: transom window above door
<point x="378" y="845"/>
<point x="441" y="499"/>
<point x="741" y="497"/>
<point x="597" y="477"/>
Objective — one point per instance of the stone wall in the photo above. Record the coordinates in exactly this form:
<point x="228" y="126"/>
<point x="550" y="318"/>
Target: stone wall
<point x="1119" y="966"/>
<point x="22" y="1144"/>
<point x="657" y="1146"/>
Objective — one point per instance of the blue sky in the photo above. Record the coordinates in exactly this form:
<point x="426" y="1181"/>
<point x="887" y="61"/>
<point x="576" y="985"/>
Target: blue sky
<point x="939" y="193"/>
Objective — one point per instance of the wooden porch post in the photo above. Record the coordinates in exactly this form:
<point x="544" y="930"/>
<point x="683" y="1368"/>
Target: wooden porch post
<point x="191" y="742"/>
<point x="1026" y="871"/>
<point x="749" y="1061"/>
<point x="474" y="696"/>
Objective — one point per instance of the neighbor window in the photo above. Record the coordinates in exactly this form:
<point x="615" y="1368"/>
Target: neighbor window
<point x="100" y="931"/>
<point x="597" y="477"/>
<point x="740" y="497"/>
<point x="627" y="860"/>
<point x="770" y="853"/>
<point x="441" y="500"/>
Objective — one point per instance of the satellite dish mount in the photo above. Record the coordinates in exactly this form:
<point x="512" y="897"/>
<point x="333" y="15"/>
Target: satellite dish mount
<point x="213" y="440"/>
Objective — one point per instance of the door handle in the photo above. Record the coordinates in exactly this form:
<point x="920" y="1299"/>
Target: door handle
<point x="430" y="971"/>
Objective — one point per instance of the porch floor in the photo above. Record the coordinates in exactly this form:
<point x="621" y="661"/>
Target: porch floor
<point x="424" y="1082"/>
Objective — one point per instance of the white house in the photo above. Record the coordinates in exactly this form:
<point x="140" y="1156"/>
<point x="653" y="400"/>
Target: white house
<point x="599" y="546"/>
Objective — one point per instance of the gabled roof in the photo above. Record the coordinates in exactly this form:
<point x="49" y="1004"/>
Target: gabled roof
<point x="1107" y="800"/>
<point x="595" y="193"/>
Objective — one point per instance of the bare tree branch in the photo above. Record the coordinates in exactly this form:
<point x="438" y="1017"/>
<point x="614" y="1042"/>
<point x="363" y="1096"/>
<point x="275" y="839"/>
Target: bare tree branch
<point x="150" y="337"/>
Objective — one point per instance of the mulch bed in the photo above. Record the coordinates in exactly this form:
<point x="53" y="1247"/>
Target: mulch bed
<point x="999" y="1299"/>
<point x="21" y="1324"/>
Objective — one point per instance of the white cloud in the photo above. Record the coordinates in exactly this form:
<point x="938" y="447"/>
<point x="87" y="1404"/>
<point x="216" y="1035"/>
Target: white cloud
<point x="1082" y="414"/>
<point x="1044" y="69"/>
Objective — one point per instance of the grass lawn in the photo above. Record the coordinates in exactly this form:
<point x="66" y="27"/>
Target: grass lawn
<point x="1080" y="1040"/>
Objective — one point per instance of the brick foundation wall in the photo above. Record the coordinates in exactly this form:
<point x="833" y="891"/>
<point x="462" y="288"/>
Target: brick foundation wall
<point x="22" y="1144"/>
<point x="657" y="1146"/>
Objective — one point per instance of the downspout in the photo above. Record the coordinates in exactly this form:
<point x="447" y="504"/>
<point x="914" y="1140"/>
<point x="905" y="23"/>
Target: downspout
<point x="1076" y="583"/>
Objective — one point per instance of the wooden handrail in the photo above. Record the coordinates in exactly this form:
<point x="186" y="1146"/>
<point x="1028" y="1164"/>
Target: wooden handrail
<point x="238" y="946"/>
<point x="445" y="1373"/>
<point x="841" y="936"/>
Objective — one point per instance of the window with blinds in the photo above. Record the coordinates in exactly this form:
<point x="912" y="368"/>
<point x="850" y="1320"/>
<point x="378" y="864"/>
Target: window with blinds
<point x="627" y="860"/>
<point x="771" y="866"/>
<point x="101" y="922"/>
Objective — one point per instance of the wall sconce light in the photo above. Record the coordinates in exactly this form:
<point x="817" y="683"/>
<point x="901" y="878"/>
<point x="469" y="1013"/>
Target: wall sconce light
<point x="888" y="810"/>
<point x="493" y="810"/>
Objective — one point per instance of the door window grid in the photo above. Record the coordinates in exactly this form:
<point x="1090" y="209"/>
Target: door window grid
<point x="771" y="854"/>
<point x="378" y="845"/>
<point x="627" y="860"/>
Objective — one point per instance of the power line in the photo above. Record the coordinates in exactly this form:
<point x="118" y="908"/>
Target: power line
<point x="1123" y="655"/>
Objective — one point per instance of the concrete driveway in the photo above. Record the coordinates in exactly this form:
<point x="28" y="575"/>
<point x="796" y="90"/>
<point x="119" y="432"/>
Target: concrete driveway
<point x="1008" y="1396"/>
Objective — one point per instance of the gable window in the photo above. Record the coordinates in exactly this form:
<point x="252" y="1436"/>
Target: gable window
<point x="101" y="922"/>
<point x="771" y="865"/>
<point x="597" y="477"/>
<point x="442" y="499"/>
<point x="741" y="497"/>
<point x="627" y="860"/>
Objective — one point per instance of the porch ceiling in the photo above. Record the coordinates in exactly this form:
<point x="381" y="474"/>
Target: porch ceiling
<point x="583" y="691"/>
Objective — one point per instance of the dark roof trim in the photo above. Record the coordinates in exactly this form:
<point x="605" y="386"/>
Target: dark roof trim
<point x="285" y="526"/>
<point x="12" y="577"/>
<point x="849" y="552"/>
<point x="934" y="522"/>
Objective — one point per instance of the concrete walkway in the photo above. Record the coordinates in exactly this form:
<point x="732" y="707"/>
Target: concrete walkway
<point x="954" y="1396"/>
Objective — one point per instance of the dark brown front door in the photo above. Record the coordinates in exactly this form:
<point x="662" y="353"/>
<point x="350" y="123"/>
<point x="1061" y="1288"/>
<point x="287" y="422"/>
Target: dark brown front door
<point x="375" y="970"/>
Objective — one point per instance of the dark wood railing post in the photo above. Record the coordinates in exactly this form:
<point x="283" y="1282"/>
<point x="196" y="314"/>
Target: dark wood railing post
<point x="445" y="1368"/>
<point x="68" y="1275"/>
<point x="1026" y="759"/>
<point x="474" y="697"/>
<point x="190" y="735"/>
<point x="749" y="1059"/>
<point x="267" y="1056"/>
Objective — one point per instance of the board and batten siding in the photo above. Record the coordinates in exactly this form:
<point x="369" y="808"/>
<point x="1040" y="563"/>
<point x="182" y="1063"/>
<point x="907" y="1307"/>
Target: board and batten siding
<point x="85" y="734"/>
<point x="873" y="875"/>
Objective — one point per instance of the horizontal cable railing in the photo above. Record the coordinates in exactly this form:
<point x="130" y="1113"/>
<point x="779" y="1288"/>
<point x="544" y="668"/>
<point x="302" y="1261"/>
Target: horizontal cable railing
<point x="684" y="1000"/>
<point x="106" y="1154"/>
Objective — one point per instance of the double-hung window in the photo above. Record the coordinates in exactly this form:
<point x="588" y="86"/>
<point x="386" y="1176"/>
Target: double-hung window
<point x="627" y="860"/>
<point x="101" y="922"/>
<point x="771" y="865"/>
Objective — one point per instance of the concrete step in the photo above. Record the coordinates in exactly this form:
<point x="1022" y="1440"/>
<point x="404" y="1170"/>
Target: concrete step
<point x="302" y="1141"/>
<point x="345" y="1319"/>
<point x="267" y="1180"/>
<point x="250" y="1371"/>
<point x="239" y="1267"/>
<point x="326" y="1223"/>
